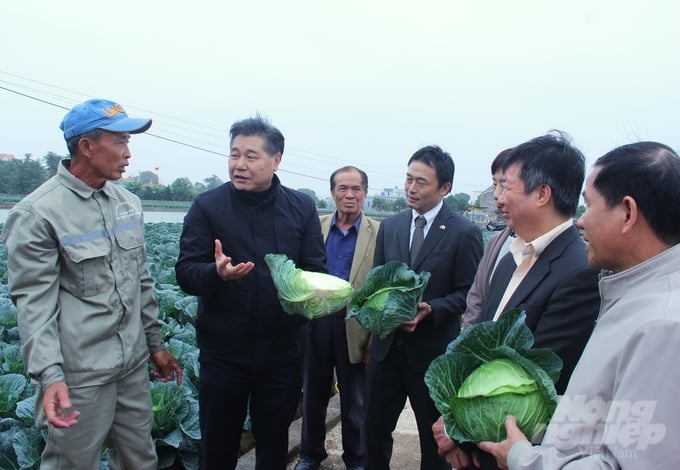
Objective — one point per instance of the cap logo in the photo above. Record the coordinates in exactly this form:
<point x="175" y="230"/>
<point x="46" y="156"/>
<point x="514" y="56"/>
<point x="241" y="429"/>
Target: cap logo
<point x="113" y="110"/>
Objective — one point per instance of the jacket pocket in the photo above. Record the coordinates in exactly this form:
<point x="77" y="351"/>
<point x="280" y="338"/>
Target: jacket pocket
<point x="131" y="241"/>
<point x="87" y="267"/>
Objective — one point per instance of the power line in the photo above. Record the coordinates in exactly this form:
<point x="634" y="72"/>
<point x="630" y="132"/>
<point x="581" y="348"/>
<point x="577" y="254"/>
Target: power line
<point x="90" y="96"/>
<point x="290" y="149"/>
<point x="226" y="155"/>
<point x="179" y="139"/>
<point x="196" y="147"/>
<point x="32" y="97"/>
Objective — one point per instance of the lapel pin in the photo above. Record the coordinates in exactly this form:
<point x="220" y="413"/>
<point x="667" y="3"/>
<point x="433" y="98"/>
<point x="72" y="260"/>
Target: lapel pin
<point x="442" y="227"/>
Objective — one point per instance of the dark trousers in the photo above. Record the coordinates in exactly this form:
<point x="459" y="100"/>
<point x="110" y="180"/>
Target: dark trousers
<point x="326" y="349"/>
<point x="224" y="389"/>
<point x="388" y="384"/>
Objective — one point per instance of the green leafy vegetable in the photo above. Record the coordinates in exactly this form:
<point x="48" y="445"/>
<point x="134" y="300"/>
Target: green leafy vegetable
<point x="307" y="293"/>
<point x="8" y="316"/>
<point x="388" y="298"/>
<point x="11" y="389"/>
<point x="28" y="445"/>
<point x="490" y="372"/>
<point x="175" y="431"/>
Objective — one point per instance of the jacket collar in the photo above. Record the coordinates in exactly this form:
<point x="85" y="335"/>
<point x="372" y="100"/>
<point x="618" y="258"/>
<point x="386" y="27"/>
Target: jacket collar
<point x="79" y="187"/>
<point x="255" y="198"/>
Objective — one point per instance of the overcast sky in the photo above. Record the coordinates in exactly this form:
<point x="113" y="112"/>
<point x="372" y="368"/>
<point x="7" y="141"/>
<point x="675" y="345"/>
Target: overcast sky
<point x="360" y="82"/>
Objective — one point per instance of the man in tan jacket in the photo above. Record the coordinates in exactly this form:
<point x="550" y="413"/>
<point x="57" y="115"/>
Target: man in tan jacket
<point x="333" y="343"/>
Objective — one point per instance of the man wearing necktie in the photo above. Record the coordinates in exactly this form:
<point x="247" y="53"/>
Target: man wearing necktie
<point x="418" y="237"/>
<point x="546" y="272"/>
<point x="428" y="236"/>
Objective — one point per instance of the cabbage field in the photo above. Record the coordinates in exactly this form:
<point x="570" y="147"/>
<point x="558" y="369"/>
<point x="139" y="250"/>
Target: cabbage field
<point x="176" y="432"/>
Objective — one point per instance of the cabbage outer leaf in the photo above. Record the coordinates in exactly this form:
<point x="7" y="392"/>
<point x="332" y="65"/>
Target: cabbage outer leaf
<point x="307" y="293"/>
<point x="388" y="298"/>
<point x="480" y="416"/>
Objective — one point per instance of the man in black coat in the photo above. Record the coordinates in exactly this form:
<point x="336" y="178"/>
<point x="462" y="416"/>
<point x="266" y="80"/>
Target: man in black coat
<point x="450" y="251"/>
<point x="249" y="347"/>
<point x="554" y="285"/>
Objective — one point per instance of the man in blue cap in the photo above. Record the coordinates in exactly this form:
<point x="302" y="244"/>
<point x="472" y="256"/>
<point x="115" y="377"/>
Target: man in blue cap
<point x="85" y="306"/>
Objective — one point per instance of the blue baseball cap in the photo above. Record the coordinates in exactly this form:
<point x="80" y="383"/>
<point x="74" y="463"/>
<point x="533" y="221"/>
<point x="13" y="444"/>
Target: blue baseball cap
<point x="101" y="114"/>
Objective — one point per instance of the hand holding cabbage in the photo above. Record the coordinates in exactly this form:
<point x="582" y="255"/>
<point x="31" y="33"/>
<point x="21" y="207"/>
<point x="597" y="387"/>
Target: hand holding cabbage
<point x="307" y="293"/>
<point x="388" y="298"/>
<point x="490" y="372"/>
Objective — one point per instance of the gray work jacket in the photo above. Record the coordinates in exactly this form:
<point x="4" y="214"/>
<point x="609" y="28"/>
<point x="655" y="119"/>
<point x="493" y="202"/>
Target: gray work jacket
<point x="78" y="276"/>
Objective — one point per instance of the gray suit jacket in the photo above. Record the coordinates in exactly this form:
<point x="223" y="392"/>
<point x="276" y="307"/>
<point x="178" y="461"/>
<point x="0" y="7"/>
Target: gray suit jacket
<point x="362" y="263"/>
<point x="480" y="287"/>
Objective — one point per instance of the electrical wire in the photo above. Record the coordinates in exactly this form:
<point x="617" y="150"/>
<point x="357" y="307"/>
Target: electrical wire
<point x="176" y="138"/>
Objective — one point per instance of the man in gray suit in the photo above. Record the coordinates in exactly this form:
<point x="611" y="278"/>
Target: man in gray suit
<point x="450" y="251"/>
<point x="494" y="250"/>
<point x="333" y="343"/>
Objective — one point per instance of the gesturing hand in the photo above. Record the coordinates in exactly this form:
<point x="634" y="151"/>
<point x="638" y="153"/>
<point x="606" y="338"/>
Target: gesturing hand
<point x="225" y="269"/>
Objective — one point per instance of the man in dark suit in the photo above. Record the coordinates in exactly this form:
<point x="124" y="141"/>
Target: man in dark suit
<point x="546" y="273"/>
<point x="450" y="251"/>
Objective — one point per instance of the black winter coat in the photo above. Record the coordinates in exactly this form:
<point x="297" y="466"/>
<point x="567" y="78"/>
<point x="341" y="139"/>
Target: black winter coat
<point x="242" y="321"/>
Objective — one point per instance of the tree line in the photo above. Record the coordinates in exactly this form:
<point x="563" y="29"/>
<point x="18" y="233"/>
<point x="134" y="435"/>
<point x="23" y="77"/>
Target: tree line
<point x="20" y="176"/>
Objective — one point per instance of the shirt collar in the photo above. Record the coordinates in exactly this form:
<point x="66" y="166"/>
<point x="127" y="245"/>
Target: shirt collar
<point x="356" y="223"/>
<point x="429" y="215"/>
<point x="539" y="243"/>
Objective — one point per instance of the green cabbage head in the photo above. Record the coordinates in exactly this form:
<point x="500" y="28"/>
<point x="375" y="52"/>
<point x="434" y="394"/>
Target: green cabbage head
<point x="307" y="293"/>
<point x="388" y="298"/>
<point x="490" y="372"/>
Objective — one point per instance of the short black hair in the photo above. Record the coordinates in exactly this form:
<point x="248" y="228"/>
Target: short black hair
<point x="259" y="126"/>
<point x="364" y="176"/>
<point x="499" y="161"/>
<point x="72" y="143"/>
<point x="433" y="156"/>
<point x="551" y="159"/>
<point x="648" y="172"/>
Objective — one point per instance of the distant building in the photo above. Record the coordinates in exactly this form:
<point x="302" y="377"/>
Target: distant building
<point x="144" y="178"/>
<point x="392" y="194"/>
<point x="387" y="194"/>
<point x="482" y="208"/>
<point x="6" y="156"/>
